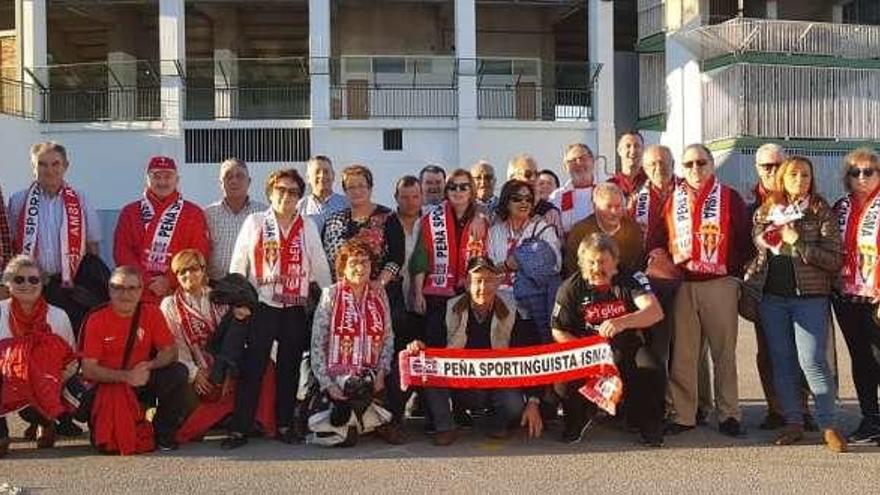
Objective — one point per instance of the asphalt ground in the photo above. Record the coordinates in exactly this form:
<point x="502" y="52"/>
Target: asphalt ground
<point x="608" y="461"/>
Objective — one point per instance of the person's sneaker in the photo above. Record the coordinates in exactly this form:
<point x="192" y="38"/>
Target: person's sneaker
<point x="30" y="433"/>
<point x="390" y="433"/>
<point x="576" y="434"/>
<point x="652" y="439"/>
<point x="234" y="441"/>
<point x="67" y="428"/>
<point x="790" y="434"/>
<point x="810" y="423"/>
<point x="834" y="441"/>
<point x="463" y="419"/>
<point x="288" y="435"/>
<point x="445" y="438"/>
<point x="351" y="437"/>
<point x="166" y="444"/>
<point x="731" y="427"/>
<point x="4" y="446"/>
<point x="429" y="428"/>
<point x="677" y="428"/>
<point x="867" y="432"/>
<point x="772" y="421"/>
<point x="46" y="436"/>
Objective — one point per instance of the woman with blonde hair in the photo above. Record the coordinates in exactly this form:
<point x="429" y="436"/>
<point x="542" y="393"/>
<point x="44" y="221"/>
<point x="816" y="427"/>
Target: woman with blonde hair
<point x="798" y="255"/>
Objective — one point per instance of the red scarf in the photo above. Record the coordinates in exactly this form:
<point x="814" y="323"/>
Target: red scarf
<point x="629" y="185"/>
<point x="279" y="261"/>
<point x="197" y="329"/>
<point x="21" y="324"/>
<point x="357" y="330"/>
<point x="448" y="253"/>
<point x="160" y="218"/>
<point x="860" y="226"/>
<point x="73" y="239"/>
<point x="699" y="227"/>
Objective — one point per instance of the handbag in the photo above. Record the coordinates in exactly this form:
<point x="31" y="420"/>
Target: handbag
<point x="79" y="392"/>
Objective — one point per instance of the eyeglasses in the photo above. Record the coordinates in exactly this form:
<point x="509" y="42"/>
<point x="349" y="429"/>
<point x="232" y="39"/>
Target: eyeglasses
<point x="281" y="190"/>
<point x="769" y="167"/>
<point x="699" y="163"/>
<point x="21" y="279"/>
<point x="124" y="288"/>
<point x="190" y="269"/>
<point x="521" y="198"/>
<point x="459" y="186"/>
<point x="857" y="172"/>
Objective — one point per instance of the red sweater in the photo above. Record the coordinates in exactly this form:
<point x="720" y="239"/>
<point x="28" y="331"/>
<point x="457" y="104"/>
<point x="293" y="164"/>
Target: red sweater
<point x="129" y="243"/>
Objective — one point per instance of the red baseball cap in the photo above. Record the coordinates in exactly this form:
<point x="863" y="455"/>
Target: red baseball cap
<point x="161" y="163"/>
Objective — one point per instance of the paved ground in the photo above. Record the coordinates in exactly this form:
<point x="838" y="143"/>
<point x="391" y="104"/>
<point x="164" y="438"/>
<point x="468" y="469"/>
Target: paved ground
<point x="701" y="461"/>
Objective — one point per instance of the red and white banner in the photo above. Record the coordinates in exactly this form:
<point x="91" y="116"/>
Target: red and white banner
<point x="586" y="358"/>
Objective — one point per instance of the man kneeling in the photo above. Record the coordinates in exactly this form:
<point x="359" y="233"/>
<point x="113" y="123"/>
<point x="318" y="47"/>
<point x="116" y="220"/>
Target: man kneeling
<point x="619" y="306"/>
<point x="481" y="319"/>
<point x="118" y="342"/>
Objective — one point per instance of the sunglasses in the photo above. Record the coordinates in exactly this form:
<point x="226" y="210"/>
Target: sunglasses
<point x="124" y="288"/>
<point x="769" y="167"/>
<point x="460" y="187"/>
<point x="21" y="279"/>
<point x="856" y="172"/>
<point x="190" y="269"/>
<point x="521" y="198"/>
<point x="699" y="163"/>
<point x="291" y="191"/>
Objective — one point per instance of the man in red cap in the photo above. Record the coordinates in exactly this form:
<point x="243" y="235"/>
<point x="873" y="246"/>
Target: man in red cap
<point x="153" y="229"/>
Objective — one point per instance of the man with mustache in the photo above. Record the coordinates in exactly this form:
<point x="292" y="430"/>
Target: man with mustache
<point x="574" y="198"/>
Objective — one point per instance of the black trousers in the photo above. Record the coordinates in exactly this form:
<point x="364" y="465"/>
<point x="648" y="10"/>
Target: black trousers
<point x="408" y="327"/>
<point x="435" y="321"/>
<point x="288" y="327"/>
<point x="62" y="297"/>
<point x="644" y="385"/>
<point x="862" y="337"/>
<point x="168" y="389"/>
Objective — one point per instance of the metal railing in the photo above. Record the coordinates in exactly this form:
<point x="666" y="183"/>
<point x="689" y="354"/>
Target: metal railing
<point x="742" y="35"/>
<point x="16" y="98"/>
<point x="531" y="102"/>
<point x="652" y="84"/>
<point x="791" y="102"/>
<point x="359" y="101"/>
<point x="651" y="17"/>
<point x="290" y="101"/>
<point x="101" y="104"/>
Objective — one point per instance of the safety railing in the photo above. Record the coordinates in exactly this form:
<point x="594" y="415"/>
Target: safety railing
<point x="651" y="17"/>
<point x="101" y="104"/>
<point x="652" y="84"/>
<point x="291" y="101"/>
<point x="532" y="102"/>
<point x="16" y="98"/>
<point x="360" y="100"/>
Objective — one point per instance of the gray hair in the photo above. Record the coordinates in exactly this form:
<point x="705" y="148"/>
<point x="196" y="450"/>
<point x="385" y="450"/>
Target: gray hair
<point x="771" y="148"/>
<point x="127" y="271"/>
<point x="516" y="160"/>
<point x="39" y="148"/>
<point x="662" y="149"/>
<point x="606" y="190"/>
<point x="598" y="242"/>
<point x="231" y="163"/>
<point x="702" y="147"/>
<point x="18" y="263"/>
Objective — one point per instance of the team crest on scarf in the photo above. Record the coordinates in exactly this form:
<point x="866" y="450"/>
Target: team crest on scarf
<point x="699" y="229"/>
<point x="357" y="330"/>
<point x="861" y="230"/>
<point x="279" y="260"/>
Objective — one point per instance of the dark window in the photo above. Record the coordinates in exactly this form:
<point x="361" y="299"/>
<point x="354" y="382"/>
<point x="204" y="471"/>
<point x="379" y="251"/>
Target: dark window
<point x="250" y="145"/>
<point x="392" y="139"/>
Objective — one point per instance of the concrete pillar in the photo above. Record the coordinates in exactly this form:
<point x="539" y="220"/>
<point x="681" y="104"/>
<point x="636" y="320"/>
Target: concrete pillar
<point x="122" y="62"/>
<point x="684" y="90"/>
<point x="466" y="53"/>
<point x="172" y="51"/>
<point x="601" y="43"/>
<point x="226" y="33"/>
<point x="33" y="49"/>
<point x="320" y="35"/>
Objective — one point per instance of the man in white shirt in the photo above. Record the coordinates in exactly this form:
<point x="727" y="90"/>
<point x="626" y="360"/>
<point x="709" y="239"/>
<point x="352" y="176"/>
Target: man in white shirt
<point x="321" y="202"/>
<point x="575" y="198"/>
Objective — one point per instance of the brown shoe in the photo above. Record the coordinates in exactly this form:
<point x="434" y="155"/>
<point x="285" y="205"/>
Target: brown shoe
<point x="834" y="441"/>
<point x="4" y="447"/>
<point x="391" y="434"/>
<point x="444" y="438"/>
<point x="46" y="436"/>
<point x="789" y="435"/>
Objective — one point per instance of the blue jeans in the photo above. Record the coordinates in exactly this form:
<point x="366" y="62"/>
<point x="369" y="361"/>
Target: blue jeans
<point x="797" y="335"/>
<point x="508" y="405"/>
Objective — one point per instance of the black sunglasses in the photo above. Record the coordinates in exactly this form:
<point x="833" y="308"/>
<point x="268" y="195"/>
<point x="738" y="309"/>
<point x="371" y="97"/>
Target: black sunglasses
<point x="691" y="163"/>
<point x="856" y="172"/>
<point x="521" y="198"/>
<point x="461" y="187"/>
<point x="20" y="279"/>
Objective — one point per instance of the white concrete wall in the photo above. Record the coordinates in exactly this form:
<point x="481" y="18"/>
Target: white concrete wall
<point x="16" y="136"/>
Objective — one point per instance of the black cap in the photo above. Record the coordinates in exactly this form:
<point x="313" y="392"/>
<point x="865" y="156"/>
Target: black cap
<point x="478" y="263"/>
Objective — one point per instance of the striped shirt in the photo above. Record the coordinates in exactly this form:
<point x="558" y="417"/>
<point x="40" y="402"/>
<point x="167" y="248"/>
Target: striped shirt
<point x="224" y="226"/>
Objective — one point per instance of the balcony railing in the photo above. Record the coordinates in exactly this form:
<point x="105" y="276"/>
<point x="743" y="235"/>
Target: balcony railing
<point x="249" y="103"/>
<point x="652" y="84"/>
<point x="778" y="101"/>
<point x="652" y="17"/>
<point x="740" y="35"/>
<point x="101" y="104"/>
<point x="531" y="102"/>
<point x="359" y="101"/>
<point x="16" y="98"/>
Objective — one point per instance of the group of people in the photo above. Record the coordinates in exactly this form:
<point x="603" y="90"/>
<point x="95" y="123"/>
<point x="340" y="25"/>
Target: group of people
<point x="286" y="318"/>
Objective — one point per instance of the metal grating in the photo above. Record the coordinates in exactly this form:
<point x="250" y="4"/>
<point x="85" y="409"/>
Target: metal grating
<point x="251" y="145"/>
